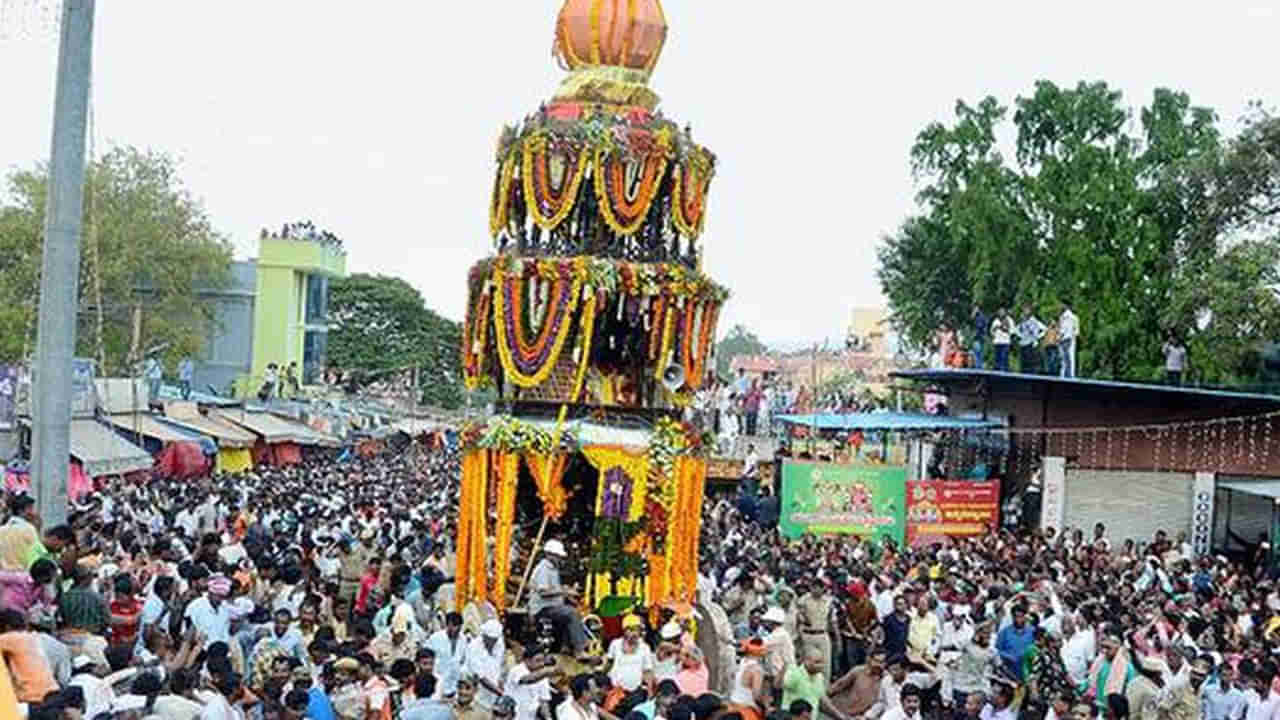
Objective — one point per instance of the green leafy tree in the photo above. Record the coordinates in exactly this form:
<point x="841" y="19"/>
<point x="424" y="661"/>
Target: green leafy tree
<point x="155" y="250"/>
<point x="380" y="326"/>
<point x="738" y="341"/>
<point x="1137" y="225"/>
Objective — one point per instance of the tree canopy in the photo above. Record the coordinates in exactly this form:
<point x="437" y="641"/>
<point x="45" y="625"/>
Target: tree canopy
<point x="738" y="341"/>
<point x="381" y="326"/>
<point x="155" y="247"/>
<point x="1149" y="228"/>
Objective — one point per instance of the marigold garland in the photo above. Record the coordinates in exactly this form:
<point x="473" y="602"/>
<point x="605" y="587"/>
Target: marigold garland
<point x="688" y="200"/>
<point x="520" y="371"/>
<point x="471" y="570"/>
<point x="507" y="467"/>
<point x="664" y="351"/>
<point x="475" y="339"/>
<point x="548" y="475"/>
<point x="586" y="329"/>
<point x="683" y="547"/>
<point x="657" y="325"/>
<point x="537" y="185"/>
<point x="624" y="216"/>
<point x="513" y="292"/>
<point x="696" y="348"/>
<point x="500" y="204"/>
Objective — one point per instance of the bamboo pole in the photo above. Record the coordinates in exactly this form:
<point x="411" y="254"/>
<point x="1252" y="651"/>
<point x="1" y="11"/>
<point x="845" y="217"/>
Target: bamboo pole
<point x="528" y="567"/>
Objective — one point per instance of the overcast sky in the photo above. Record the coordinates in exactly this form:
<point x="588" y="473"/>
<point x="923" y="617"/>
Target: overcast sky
<point x="378" y="119"/>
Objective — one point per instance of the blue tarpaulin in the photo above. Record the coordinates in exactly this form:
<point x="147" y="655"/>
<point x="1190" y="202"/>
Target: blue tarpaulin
<point x="887" y="421"/>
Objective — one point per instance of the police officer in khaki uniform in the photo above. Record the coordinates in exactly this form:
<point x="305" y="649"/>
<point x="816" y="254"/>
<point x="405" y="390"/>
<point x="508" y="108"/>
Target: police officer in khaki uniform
<point x="815" y="622"/>
<point x="353" y="559"/>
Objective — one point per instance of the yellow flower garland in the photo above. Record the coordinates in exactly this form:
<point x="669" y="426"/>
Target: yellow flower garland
<point x="500" y="204"/>
<point x="508" y="471"/>
<point x="648" y="191"/>
<point x="471" y="570"/>
<point x="504" y="350"/>
<point x="528" y="171"/>
<point x="586" y="328"/>
<point x="689" y="229"/>
<point x="668" y="334"/>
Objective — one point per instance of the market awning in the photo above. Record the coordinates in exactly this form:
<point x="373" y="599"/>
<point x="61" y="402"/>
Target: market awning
<point x="227" y="434"/>
<point x="1265" y="488"/>
<point x="102" y="452"/>
<point x="149" y="426"/>
<point x="887" y="421"/>
<point x="273" y="429"/>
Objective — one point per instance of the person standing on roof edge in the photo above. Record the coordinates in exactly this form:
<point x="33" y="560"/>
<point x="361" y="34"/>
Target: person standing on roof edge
<point x="981" y="329"/>
<point x="1068" y="337"/>
<point x="1001" y="336"/>
<point x="1030" y="332"/>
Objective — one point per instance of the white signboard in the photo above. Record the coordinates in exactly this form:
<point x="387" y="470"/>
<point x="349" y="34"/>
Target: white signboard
<point x="1202" y="513"/>
<point x="1053" y="498"/>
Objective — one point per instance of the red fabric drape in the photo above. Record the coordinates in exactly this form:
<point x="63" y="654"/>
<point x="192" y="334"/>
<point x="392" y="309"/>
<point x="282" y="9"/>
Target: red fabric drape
<point x="181" y="460"/>
<point x="286" y="453"/>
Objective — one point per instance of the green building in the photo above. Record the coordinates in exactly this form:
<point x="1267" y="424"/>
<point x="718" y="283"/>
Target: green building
<point x="276" y="310"/>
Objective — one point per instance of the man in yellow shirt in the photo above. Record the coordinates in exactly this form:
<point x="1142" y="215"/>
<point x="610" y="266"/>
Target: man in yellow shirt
<point x="923" y="628"/>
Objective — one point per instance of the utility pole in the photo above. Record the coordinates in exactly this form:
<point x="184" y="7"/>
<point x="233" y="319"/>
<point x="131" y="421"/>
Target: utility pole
<point x="60" y="268"/>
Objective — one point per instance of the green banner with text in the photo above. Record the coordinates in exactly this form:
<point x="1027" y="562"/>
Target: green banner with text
<point x="827" y="498"/>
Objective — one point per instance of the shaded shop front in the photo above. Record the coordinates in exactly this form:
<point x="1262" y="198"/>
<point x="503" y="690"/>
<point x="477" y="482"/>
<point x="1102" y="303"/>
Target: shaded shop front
<point x="1135" y="457"/>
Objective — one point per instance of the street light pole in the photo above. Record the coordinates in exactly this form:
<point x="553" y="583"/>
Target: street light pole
<point x="60" y="268"/>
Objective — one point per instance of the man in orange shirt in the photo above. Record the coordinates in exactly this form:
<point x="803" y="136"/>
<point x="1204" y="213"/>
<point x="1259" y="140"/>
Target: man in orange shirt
<point x="32" y="676"/>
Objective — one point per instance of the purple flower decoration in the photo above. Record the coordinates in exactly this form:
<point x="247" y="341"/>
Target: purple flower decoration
<point x="617" y="494"/>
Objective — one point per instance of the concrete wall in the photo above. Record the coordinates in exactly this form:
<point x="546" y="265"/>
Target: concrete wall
<point x="228" y="354"/>
<point x="1130" y="504"/>
<point x="8" y="444"/>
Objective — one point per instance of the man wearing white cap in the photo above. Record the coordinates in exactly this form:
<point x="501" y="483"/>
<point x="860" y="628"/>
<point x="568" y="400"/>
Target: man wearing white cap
<point x="780" y="644"/>
<point x="547" y="596"/>
<point x="485" y="657"/>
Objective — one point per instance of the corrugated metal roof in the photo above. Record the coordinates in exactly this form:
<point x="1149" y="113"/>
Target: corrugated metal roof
<point x="274" y="429"/>
<point x="942" y="375"/>
<point x="887" y="421"/>
<point x="227" y="434"/>
<point x="1265" y="488"/>
<point x="121" y="395"/>
<point x="102" y="452"/>
<point x="152" y="427"/>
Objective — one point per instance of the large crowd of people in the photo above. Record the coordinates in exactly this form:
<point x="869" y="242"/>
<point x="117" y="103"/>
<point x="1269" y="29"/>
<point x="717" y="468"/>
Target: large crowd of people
<point x="324" y="591"/>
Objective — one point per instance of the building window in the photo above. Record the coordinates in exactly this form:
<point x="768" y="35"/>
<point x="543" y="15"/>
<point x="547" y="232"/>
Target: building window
<point x="317" y="300"/>
<point x="315" y="344"/>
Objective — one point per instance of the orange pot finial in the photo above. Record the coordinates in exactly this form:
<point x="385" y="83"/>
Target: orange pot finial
<point x="619" y="33"/>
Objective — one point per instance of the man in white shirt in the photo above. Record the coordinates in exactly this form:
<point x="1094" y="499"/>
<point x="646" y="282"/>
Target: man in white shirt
<point x="485" y="657"/>
<point x="549" y="597"/>
<point x="909" y="706"/>
<point x="1068" y="333"/>
<point x="580" y="705"/>
<point x="1078" y="650"/>
<point x="210" y="614"/>
<point x="451" y="653"/>
<point x="528" y="686"/>
<point x="631" y="662"/>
